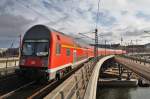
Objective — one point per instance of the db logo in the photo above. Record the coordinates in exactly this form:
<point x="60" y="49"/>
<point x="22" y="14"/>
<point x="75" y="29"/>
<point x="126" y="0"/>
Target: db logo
<point x="32" y="62"/>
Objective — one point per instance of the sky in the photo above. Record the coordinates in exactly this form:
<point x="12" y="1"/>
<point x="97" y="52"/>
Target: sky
<point x="127" y="19"/>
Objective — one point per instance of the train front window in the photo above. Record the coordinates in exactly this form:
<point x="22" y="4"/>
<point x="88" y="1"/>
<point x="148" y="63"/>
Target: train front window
<point x="35" y="48"/>
<point x="28" y="49"/>
<point x="42" y="49"/>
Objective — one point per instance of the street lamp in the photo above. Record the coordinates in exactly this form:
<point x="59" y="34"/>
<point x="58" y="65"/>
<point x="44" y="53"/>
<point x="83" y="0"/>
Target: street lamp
<point x="105" y="47"/>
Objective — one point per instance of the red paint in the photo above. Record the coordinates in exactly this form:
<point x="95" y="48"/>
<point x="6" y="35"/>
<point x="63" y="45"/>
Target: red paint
<point x="34" y="62"/>
<point x="61" y="59"/>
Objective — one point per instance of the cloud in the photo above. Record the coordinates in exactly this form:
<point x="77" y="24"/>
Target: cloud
<point x="144" y="16"/>
<point x="11" y="27"/>
<point x="128" y="18"/>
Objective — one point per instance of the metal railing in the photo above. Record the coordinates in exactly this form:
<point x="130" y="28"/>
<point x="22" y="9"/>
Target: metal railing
<point x="8" y="65"/>
<point x="6" y="62"/>
<point x="138" y="59"/>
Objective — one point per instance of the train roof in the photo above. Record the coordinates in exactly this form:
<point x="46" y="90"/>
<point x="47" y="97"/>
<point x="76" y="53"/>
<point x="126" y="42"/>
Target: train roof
<point x="41" y="28"/>
<point x="43" y="31"/>
<point x="37" y="32"/>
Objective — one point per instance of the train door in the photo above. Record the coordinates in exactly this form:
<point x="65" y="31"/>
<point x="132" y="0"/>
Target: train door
<point x="74" y="56"/>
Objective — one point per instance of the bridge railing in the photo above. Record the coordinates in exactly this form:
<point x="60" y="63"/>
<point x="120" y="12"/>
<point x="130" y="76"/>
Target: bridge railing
<point x="136" y="59"/>
<point x="8" y="65"/>
<point x="92" y="84"/>
<point x="9" y="62"/>
<point x="81" y="78"/>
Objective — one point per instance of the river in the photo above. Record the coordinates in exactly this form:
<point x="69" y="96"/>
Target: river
<point x="124" y="93"/>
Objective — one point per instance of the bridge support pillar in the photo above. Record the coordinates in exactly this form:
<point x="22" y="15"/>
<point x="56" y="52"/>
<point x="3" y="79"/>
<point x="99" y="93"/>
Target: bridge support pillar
<point x="120" y="71"/>
<point x="129" y="75"/>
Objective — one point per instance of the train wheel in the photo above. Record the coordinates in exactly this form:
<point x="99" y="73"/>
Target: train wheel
<point x="47" y="77"/>
<point x="70" y="68"/>
<point x="57" y="76"/>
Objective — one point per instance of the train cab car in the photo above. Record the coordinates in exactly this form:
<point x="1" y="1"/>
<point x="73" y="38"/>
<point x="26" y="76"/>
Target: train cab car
<point x="35" y="52"/>
<point x="47" y="53"/>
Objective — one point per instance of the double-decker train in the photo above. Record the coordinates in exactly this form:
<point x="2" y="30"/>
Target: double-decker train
<point x="47" y="53"/>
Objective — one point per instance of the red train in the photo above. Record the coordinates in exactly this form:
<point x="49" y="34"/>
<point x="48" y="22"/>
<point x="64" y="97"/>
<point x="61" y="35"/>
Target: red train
<point x="48" y="54"/>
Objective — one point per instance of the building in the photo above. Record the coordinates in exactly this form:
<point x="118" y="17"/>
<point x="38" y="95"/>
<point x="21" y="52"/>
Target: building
<point x="9" y="52"/>
<point x="147" y="46"/>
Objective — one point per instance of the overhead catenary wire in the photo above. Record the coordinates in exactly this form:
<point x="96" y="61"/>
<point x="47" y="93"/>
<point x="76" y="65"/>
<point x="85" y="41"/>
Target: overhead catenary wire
<point x="28" y="6"/>
<point x="13" y="40"/>
<point x="144" y="36"/>
<point x="97" y="19"/>
<point x="86" y="36"/>
<point x="97" y="16"/>
<point x="33" y="10"/>
<point x="49" y="20"/>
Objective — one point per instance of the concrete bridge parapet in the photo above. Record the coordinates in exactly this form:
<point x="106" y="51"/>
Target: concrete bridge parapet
<point x="92" y="85"/>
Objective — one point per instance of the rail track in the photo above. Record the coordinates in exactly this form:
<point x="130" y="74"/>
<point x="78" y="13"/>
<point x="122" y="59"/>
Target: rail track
<point x="7" y="77"/>
<point x="35" y="90"/>
<point x="7" y="73"/>
<point x="47" y="89"/>
<point x="24" y="91"/>
<point x="15" y="91"/>
<point x="11" y="83"/>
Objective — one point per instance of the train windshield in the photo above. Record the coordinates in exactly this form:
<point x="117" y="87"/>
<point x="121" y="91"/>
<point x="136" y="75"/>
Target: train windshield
<point x="35" y="48"/>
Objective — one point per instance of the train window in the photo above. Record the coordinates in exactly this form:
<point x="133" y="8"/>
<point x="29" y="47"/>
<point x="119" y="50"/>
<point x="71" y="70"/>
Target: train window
<point x="35" y="48"/>
<point x="68" y="52"/>
<point x="28" y="49"/>
<point x="58" y="48"/>
<point x="58" y="37"/>
<point x="42" y="49"/>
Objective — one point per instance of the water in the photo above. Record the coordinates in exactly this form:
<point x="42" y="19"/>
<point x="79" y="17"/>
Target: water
<point x="124" y="93"/>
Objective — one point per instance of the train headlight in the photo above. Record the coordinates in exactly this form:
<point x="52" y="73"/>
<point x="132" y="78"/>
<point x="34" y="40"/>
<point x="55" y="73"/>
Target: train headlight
<point x="44" y="63"/>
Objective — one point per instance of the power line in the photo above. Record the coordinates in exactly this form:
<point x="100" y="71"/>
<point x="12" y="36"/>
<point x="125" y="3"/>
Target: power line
<point x="86" y="36"/>
<point x="28" y="7"/>
<point x="144" y="36"/>
<point x="97" y="17"/>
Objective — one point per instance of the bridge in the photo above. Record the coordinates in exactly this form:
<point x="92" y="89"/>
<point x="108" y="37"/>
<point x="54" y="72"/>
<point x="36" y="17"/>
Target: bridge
<point x="136" y="66"/>
<point x="84" y="81"/>
<point x="74" y="49"/>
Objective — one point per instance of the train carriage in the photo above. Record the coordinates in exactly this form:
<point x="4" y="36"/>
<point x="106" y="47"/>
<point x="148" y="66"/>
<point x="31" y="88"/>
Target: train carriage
<point x="48" y="54"/>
